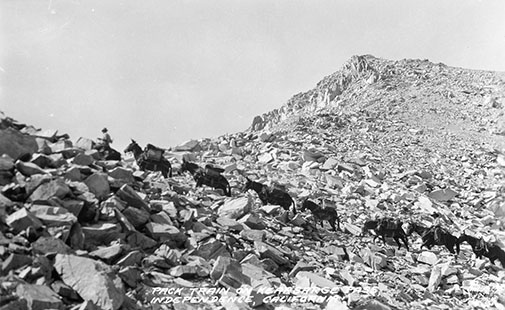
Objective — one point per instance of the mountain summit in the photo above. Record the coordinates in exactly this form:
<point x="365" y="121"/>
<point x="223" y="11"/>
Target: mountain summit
<point x="416" y="91"/>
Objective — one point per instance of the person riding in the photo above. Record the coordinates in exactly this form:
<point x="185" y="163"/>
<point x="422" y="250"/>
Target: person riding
<point x="105" y="140"/>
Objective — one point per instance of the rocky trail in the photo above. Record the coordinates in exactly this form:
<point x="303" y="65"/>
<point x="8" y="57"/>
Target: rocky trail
<point x="412" y="140"/>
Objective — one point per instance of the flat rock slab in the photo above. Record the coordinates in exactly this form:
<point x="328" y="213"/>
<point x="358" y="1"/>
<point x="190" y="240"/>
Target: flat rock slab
<point x="15" y="261"/>
<point x="14" y="144"/>
<point x="235" y="208"/>
<point x="314" y="280"/>
<point x="268" y="251"/>
<point x="93" y="280"/>
<point x="107" y="254"/>
<point x="138" y="217"/>
<point x="98" y="185"/>
<point x="132" y="198"/>
<point x="53" y="216"/>
<point x="122" y="174"/>
<point x="101" y="233"/>
<point x="84" y="143"/>
<point x="163" y="232"/>
<point x="212" y="250"/>
<point x="56" y="188"/>
<point x="427" y="257"/>
<point x="29" y="169"/>
<point x="443" y="194"/>
<point x="22" y="219"/>
<point x="46" y="245"/>
<point x="82" y="159"/>
<point x="253" y="221"/>
<point x="39" y="297"/>
<point x="131" y="259"/>
<point x="230" y="224"/>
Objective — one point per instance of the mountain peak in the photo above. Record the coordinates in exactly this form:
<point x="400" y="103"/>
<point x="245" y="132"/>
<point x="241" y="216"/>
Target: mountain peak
<point x="366" y="81"/>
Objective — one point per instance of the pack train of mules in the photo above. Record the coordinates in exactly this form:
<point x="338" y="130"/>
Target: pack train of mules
<point x="152" y="159"/>
<point x="431" y="236"/>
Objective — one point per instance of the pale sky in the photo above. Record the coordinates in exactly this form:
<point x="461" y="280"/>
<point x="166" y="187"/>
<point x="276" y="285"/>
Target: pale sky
<point x="166" y="71"/>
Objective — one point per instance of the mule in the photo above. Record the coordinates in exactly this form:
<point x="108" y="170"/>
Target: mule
<point x="209" y="176"/>
<point x="438" y="235"/>
<point x="322" y="214"/>
<point x="494" y="252"/>
<point x="146" y="163"/>
<point x="270" y="195"/>
<point x="482" y="248"/>
<point x="387" y="227"/>
<point x="422" y="231"/>
<point x="478" y="245"/>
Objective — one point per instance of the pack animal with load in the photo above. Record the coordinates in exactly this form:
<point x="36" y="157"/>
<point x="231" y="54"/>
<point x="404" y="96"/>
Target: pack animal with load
<point x="151" y="158"/>
<point x="387" y="227"/>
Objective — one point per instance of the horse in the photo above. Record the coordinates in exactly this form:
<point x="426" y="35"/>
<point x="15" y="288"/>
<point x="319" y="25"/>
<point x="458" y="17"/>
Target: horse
<point x="387" y="227"/>
<point x="482" y="248"/>
<point x="270" y="195"/>
<point x="146" y="163"/>
<point x="321" y="214"/>
<point x="106" y="152"/>
<point x="209" y="176"/>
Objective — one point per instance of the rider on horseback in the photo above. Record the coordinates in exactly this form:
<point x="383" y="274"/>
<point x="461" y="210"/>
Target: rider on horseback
<point x="105" y="140"/>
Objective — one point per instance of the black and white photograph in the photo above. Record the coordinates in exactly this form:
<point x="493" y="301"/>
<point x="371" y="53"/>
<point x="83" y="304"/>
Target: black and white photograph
<point x="252" y="154"/>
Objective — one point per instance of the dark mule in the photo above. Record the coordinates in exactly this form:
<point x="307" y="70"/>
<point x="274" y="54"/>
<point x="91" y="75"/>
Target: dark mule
<point x="387" y="227"/>
<point x="478" y="245"/>
<point x="270" y="195"/>
<point x="106" y="152"/>
<point x="424" y="232"/>
<point x="147" y="162"/>
<point x="482" y="248"/>
<point x="493" y="252"/>
<point x="322" y="214"/>
<point x="437" y="235"/>
<point x="209" y="176"/>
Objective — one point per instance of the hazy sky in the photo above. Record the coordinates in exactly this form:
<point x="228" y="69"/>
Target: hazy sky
<point x="166" y="71"/>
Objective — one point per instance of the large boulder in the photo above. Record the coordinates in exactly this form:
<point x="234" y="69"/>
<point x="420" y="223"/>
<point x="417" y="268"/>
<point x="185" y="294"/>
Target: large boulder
<point x="84" y="144"/>
<point x="93" y="280"/>
<point x="55" y="188"/>
<point x="39" y="297"/>
<point x="235" y="208"/>
<point x="29" y="169"/>
<point x="22" y="219"/>
<point x="15" y="144"/>
<point x="98" y="185"/>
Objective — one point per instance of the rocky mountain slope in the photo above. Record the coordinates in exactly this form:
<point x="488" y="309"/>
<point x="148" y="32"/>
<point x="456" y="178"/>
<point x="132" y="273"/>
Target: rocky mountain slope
<point x="417" y="141"/>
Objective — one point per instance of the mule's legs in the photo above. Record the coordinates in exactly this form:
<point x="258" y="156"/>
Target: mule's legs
<point x="449" y="245"/>
<point x="164" y="172"/>
<point x="397" y="239"/>
<point x="383" y="237"/>
<point x="406" y="241"/>
<point x="225" y="190"/>
<point x="332" y="223"/>
<point x="199" y="182"/>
